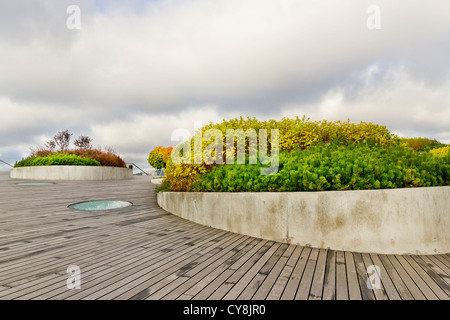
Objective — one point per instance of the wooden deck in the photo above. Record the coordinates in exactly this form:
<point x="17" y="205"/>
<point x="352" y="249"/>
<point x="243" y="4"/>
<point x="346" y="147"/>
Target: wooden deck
<point x="143" y="252"/>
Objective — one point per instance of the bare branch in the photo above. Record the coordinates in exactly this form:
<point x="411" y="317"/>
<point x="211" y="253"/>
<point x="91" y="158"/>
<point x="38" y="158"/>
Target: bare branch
<point x="62" y="140"/>
<point x="83" y="142"/>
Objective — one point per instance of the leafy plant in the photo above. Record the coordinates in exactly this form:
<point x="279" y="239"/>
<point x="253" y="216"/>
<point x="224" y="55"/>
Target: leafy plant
<point x="180" y="177"/>
<point x="333" y="167"/>
<point x="159" y="156"/>
<point x="57" y="159"/>
<point x="441" y="152"/>
<point x="294" y="134"/>
<point x="83" y="142"/>
<point x="164" y="186"/>
<point x="107" y="159"/>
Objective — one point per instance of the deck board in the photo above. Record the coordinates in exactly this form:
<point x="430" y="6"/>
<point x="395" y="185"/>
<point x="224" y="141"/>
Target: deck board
<point x="306" y="280"/>
<point x="296" y="276"/>
<point x="329" y="285"/>
<point x="144" y="252"/>
<point x="318" y="278"/>
<point x="354" y="291"/>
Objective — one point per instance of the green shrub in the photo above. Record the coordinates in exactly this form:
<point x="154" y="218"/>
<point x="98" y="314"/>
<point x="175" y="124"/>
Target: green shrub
<point x="158" y="157"/>
<point x="57" y="159"/>
<point x="106" y="159"/>
<point x="294" y="134"/>
<point x="164" y="186"/>
<point x="333" y="167"/>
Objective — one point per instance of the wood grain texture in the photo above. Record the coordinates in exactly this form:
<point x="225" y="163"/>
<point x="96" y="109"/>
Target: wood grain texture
<point x="144" y="252"/>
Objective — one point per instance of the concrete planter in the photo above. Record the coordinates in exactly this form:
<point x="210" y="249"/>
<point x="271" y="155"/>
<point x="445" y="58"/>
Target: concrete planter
<point x="71" y="173"/>
<point x="394" y="221"/>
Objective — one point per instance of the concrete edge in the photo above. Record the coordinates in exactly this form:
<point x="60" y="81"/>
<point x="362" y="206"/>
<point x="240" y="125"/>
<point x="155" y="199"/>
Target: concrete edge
<point x="79" y="173"/>
<point x="394" y="221"/>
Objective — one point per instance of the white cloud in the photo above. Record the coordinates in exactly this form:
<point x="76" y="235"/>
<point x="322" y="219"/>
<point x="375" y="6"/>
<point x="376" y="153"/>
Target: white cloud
<point x="228" y="49"/>
<point x="130" y="75"/>
<point x="407" y="106"/>
<point x="144" y="132"/>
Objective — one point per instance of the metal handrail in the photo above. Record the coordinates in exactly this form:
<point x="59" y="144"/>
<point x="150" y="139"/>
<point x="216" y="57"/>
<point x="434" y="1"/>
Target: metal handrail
<point x="138" y="168"/>
<point x="7" y="163"/>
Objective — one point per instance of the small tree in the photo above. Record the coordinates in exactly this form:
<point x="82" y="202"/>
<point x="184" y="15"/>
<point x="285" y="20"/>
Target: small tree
<point x="159" y="156"/>
<point x="83" y="142"/>
<point x="51" y="145"/>
<point x="62" y="140"/>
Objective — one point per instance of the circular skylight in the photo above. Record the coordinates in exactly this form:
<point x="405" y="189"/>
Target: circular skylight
<point x="100" y="205"/>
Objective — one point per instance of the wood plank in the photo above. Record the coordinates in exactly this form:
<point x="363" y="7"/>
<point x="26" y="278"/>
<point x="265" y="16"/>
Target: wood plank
<point x="435" y="268"/>
<point x="388" y="285"/>
<point x="144" y="252"/>
<point x="444" y="266"/>
<point x="399" y="284"/>
<point x="329" y="285"/>
<point x="366" y="293"/>
<point x="119" y="264"/>
<point x="102" y="261"/>
<point x="341" y="277"/>
<point x="380" y="293"/>
<point x="412" y="287"/>
<point x="201" y="280"/>
<point x="280" y="284"/>
<point x="428" y="276"/>
<point x="444" y="257"/>
<point x="131" y="283"/>
<point x="305" y="282"/>
<point x="319" y="276"/>
<point x="294" y="280"/>
<point x="172" y="289"/>
<point x="71" y="259"/>
<point x="74" y="256"/>
<point x="240" y="286"/>
<point x="354" y="290"/>
<point x="237" y="274"/>
<point x="230" y="269"/>
<point x="269" y="283"/>
<point x="258" y="279"/>
<point x="418" y="281"/>
<point x="116" y="262"/>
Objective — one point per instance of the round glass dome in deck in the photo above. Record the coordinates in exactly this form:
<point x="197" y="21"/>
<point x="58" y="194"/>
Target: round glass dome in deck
<point x="100" y="205"/>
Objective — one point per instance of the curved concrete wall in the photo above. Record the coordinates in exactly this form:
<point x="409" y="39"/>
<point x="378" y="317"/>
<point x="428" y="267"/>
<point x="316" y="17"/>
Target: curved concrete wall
<point x="395" y="221"/>
<point x="71" y="173"/>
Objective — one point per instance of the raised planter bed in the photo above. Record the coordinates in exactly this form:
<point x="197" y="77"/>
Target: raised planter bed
<point x="71" y="173"/>
<point x="390" y="221"/>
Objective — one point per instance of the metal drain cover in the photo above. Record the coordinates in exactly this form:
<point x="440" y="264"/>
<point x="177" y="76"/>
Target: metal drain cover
<point x="100" y="205"/>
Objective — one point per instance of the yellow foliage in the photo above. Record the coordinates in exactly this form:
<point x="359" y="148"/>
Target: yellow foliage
<point x="293" y="132"/>
<point x="440" y="152"/>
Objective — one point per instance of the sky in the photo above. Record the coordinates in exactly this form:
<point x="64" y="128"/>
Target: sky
<point x="136" y="71"/>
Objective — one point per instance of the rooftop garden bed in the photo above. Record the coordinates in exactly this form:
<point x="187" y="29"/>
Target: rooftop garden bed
<point x="56" y="152"/>
<point x="313" y="156"/>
